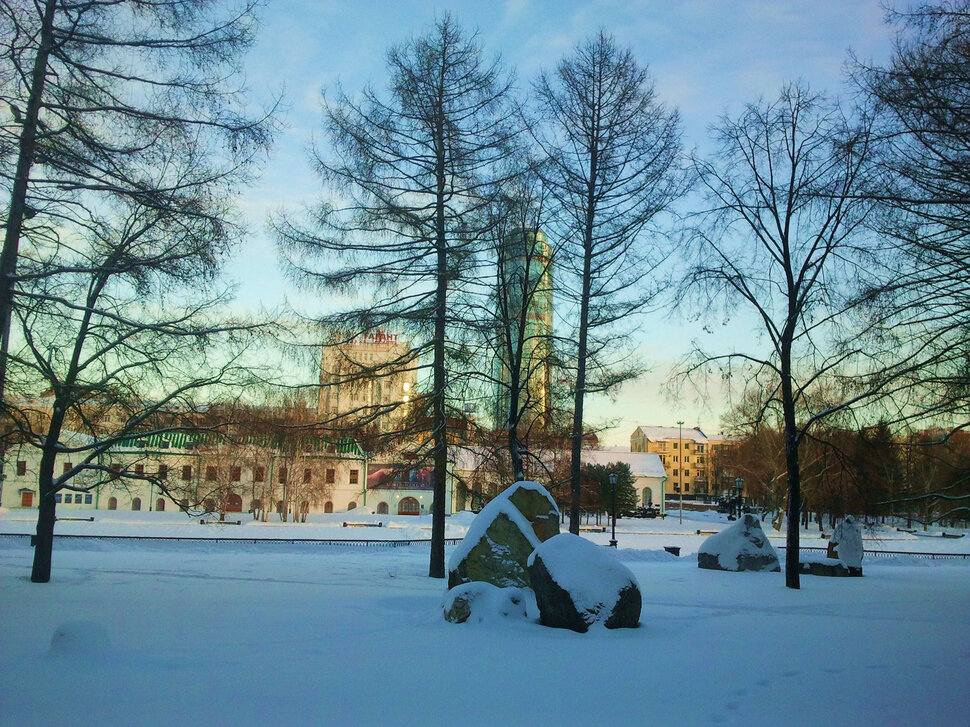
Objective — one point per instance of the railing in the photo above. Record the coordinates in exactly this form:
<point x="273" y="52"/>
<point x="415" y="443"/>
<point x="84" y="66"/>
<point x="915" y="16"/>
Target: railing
<point x="889" y="553"/>
<point x="406" y="542"/>
<point x="315" y="541"/>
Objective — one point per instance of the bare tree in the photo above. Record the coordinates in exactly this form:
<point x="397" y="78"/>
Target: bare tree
<point x="613" y="152"/>
<point x="123" y="101"/>
<point x="123" y="344"/>
<point x="514" y="314"/>
<point x="922" y="299"/>
<point x="783" y="238"/>
<point x="121" y="169"/>
<point x="409" y="170"/>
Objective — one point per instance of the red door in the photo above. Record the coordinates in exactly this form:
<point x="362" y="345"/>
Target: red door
<point x="26" y="499"/>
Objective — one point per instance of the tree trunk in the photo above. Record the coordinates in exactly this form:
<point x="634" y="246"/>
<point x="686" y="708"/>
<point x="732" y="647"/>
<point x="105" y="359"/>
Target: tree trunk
<point x="18" y="194"/>
<point x="794" y="475"/>
<point x="439" y="422"/>
<point x="46" y="508"/>
<point x="582" y="348"/>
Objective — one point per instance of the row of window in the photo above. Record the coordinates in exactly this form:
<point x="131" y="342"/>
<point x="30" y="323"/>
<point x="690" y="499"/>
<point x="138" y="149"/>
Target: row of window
<point x="212" y="472"/>
<point x="70" y="498"/>
<point x="697" y="448"/>
<point x="698" y="460"/>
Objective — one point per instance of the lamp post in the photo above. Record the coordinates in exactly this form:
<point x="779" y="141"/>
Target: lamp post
<point x="739" y="486"/>
<point x="677" y="489"/>
<point x="680" y="470"/>
<point x="613" y="495"/>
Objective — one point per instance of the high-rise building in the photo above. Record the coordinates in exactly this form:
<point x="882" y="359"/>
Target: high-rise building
<point x="525" y="279"/>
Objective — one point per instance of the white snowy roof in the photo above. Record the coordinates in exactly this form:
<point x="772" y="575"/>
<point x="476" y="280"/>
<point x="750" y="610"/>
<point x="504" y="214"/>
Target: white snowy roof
<point x="642" y="464"/>
<point x="656" y="434"/>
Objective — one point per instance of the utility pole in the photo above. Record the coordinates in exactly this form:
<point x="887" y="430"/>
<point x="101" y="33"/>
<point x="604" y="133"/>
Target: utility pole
<point x="680" y="470"/>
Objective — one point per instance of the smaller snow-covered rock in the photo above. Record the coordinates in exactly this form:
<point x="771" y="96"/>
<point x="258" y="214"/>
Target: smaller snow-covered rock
<point x="480" y="602"/>
<point x="741" y="546"/>
<point x="847" y="542"/>
<point x="578" y="584"/>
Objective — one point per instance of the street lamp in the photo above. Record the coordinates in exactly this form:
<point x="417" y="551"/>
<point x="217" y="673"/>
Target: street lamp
<point x="739" y="486"/>
<point x="680" y="470"/>
<point x="613" y="495"/>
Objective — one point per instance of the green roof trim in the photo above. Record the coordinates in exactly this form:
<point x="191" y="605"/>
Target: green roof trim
<point x="183" y="440"/>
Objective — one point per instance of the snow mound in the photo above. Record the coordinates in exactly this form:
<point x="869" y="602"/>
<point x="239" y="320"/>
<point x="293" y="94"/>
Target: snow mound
<point x="80" y="638"/>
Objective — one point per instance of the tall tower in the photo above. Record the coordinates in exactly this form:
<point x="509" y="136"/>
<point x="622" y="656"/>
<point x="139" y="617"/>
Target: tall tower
<point x="525" y="285"/>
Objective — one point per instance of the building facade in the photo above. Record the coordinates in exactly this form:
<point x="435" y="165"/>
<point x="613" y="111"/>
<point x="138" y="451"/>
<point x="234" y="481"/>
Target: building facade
<point x="688" y="456"/>
<point x="369" y="380"/>
<point x="178" y="471"/>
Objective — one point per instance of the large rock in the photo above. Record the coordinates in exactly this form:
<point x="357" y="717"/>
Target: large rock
<point x="502" y="537"/>
<point x="578" y="584"/>
<point x="741" y="546"/>
<point x="480" y="602"/>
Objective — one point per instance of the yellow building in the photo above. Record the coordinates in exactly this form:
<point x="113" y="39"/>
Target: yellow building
<point x="688" y="455"/>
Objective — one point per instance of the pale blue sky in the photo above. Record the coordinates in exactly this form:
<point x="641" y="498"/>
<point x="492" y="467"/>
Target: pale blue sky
<point x="706" y="57"/>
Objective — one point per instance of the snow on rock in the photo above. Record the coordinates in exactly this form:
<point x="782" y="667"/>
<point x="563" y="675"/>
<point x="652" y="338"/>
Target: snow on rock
<point x="480" y="602"/>
<point x="740" y="546"/>
<point x="847" y="541"/>
<point x="502" y="536"/>
<point x="578" y="584"/>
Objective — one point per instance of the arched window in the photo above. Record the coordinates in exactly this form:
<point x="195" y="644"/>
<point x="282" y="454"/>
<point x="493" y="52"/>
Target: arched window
<point x="136" y="504"/>
<point x="408" y="506"/>
<point x="328" y="506"/>
<point x="351" y="505"/>
<point x="160" y="504"/>
<point x="112" y="503"/>
<point x="382" y="508"/>
<point x="233" y="502"/>
<point x="647" y="496"/>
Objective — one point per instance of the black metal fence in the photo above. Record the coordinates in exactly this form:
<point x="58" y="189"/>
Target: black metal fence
<point x="291" y="541"/>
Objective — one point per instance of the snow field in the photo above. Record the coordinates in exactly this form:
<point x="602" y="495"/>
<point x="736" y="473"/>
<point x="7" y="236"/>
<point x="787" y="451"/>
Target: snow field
<point x="278" y="634"/>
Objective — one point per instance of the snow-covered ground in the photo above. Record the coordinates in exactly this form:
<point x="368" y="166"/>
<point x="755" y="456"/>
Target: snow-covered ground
<point x="193" y="633"/>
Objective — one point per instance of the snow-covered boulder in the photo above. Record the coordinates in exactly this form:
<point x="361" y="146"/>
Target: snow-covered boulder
<point x="847" y="542"/>
<point x="480" y="602"/>
<point x="578" y="584"/>
<point x="742" y="545"/>
<point x="502" y="537"/>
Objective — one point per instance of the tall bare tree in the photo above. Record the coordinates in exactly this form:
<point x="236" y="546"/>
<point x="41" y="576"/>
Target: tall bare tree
<point x="121" y="157"/>
<point x="922" y="104"/>
<point x="120" y="342"/>
<point x="613" y="152"/>
<point x="409" y="170"/>
<point x="784" y="240"/>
